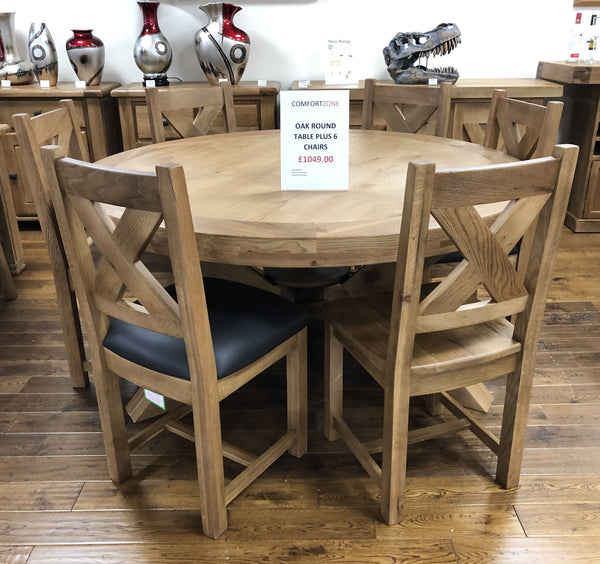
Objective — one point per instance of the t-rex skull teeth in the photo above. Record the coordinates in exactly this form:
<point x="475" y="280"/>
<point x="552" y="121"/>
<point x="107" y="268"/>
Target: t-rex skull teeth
<point x="406" y="51"/>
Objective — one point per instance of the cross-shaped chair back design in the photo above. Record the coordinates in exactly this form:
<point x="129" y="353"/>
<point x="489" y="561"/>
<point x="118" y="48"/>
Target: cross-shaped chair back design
<point x="62" y="126"/>
<point x="189" y="112"/>
<point x="415" y="343"/>
<point x="163" y="339"/>
<point x="407" y="108"/>
<point x="524" y="129"/>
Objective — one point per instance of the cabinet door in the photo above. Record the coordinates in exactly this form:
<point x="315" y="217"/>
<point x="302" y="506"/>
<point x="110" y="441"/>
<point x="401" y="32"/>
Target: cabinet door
<point x="17" y="178"/>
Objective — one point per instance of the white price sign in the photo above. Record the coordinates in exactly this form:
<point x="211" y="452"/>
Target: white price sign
<point x="314" y="127"/>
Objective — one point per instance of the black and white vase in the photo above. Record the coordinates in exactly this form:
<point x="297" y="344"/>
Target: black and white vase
<point x="221" y="47"/>
<point x="42" y="53"/>
<point x="12" y="66"/>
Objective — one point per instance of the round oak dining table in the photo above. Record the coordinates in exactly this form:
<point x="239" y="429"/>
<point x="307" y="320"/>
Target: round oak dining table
<point x="241" y="215"/>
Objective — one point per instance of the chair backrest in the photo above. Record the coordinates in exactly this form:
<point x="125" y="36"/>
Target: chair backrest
<point x="189" y="111"/>
<point x="407" y="107"/>
<point x="59" y="127"/>
<point x="527" y="130"/>
<point x="538" y="190"/>
<point x="120" y="286"/>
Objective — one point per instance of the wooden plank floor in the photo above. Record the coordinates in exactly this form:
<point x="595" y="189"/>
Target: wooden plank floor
<point x="57" y="505"/>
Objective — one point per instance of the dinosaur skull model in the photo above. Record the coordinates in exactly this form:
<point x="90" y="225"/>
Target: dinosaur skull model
<point x="407" y="51"/>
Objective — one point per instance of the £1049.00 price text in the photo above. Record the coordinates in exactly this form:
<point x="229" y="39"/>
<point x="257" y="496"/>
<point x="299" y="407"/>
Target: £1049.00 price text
<point x="315" y="159"/>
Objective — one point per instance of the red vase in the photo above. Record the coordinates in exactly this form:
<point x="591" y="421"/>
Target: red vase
<point x="86" y="53"/>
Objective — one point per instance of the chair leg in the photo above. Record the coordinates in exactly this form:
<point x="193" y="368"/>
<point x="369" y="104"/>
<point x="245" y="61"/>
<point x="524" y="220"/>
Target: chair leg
<point x="297" y="395"/>
<point x="71" y="325"/>
<point x="395" y="446"/>
<point x="334" y="383"/>
<point x="514" y="425"/>
<point x="112" y="419"/>
<point x="209" y="463"/>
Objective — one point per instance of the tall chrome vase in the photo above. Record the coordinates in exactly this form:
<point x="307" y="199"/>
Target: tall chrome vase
<point x="221" y="47"/>
<point x="152" y="52"/>
<point x="12" y="66"/>
<point x="42" y="53"/>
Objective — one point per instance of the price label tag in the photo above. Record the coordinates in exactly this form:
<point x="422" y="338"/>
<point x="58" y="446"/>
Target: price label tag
<point x="80" y="84"/>
<point x="155" y="398"/>
<point x="4" y="83"/>
<point x="44" y="84"/>
<point x="314" y="139"/>
<point x="432" y="82"/>
<point x="262" y="83"/>
<point x="303" y="83"/>
<point x="150" y="83"/>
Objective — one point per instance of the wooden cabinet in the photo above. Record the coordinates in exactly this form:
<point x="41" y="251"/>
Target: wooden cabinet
<point x="580" y="125"/>
<point x="98" y="113"/>
<point x="255" y="108"/>
<point x="470" y="101"/>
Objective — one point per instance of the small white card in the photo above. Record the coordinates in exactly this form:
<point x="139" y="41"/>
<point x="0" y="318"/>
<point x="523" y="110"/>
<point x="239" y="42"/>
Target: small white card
<point x="44" y="84"/>
<point x="303" y="83"/>
<point x="262" y="83"/>
<point x="314" y="139"/>
<point x="432" y="82"/>
<point x="4" y="83"/>
<point x="155" y="398"/>
<point x="80" y="84"/>
<point x="150" y="83"/>
<point x="339" y="62"/>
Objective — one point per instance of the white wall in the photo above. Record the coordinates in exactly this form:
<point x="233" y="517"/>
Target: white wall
<point x="500" y="39"/>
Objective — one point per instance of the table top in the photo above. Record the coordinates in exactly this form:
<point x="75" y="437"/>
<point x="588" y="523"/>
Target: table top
<point x="241" y="215"/>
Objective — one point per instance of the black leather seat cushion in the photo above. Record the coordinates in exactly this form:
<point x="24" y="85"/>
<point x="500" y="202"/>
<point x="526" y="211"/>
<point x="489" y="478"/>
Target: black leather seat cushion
<point x="245" y="323"/>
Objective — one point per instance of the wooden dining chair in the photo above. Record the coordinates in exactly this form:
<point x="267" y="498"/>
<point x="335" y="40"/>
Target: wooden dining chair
<point x="407" y="108"/>
<point x="189" y="113"/>
<point x="196" y="341"/>
<point x="522" y="129"/>
<point x="62" y="126"/>
<point x="415" y="343"/>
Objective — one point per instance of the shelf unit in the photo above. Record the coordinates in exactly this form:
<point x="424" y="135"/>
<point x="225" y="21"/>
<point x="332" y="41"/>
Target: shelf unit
<point x="580" y="125"/>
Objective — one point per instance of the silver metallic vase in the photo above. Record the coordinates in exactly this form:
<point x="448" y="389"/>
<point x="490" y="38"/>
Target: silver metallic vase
<point x="86" y="53"/>
<point x="152" y="52"/>
<point x="12" y="66"/>
<point x="42" y="53"/>
<point x="222" y="48"/>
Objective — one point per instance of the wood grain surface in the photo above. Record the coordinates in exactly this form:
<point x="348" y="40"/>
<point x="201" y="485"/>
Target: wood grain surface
<point x="242" y="216"/>
<point x="57" y="504"/>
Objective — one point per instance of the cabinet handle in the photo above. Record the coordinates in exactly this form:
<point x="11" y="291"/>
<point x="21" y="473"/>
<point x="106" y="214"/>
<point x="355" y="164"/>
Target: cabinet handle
<point x="37" y="112"/>
<point x="12" y="175"/>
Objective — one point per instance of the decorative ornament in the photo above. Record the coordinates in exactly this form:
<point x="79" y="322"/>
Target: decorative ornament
<point x="42" y="53"/>
<point x="221" y="47"/>
<point x="152" y="52"/>
<point x="86" y="53"/>
<point x="407" y="55"/>
<point x="12" y="66"/>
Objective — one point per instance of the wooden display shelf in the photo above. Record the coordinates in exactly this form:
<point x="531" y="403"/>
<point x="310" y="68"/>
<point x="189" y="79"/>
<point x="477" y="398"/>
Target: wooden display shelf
<point x="580" y="125"/>
<point x="97" y="110"/>
<point x="255" y="108"/>
<point x="471" y="99"/>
